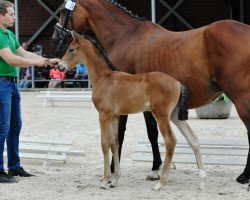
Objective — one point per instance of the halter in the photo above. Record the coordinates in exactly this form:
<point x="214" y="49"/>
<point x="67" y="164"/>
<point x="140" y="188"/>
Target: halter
<point x="62" y="31"/>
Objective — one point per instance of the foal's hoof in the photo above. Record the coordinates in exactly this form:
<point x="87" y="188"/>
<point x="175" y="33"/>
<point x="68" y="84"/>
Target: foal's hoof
<point x="153" y="175"/>
<point x="203" y="179"/>
<point x="158" y="186"/>
<point x="101" y="179"/>
<point x="242" y="179"/>
<point x="202" y="186"/>
<point x="248" y="188"/>
<point x="114" y="183"/>
<point x="104" y="186"/>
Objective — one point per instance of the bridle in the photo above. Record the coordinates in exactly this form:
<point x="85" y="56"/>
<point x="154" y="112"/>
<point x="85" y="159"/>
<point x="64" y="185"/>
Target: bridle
<point x="62" y="30"/>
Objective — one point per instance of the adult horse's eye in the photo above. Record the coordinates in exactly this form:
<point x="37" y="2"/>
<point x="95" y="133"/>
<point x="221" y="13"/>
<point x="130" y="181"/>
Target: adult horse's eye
<point x="71" y="50"/>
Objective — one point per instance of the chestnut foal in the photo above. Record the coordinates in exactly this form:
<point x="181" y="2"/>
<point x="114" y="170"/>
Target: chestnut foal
<point x="118" y="93"/>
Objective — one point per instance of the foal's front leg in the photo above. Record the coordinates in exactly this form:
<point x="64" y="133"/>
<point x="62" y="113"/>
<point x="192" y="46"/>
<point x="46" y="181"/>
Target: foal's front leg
<point x="106" y="134"/>
<point x="114" y="149"/>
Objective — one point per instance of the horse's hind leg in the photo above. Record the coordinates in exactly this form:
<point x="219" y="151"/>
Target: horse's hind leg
<point x="245" y="176"/>
<point x="244" y="113"/>
<point x="114" y="149"/>
<point x="193" y="142"/>
<point x="152" y="131"/>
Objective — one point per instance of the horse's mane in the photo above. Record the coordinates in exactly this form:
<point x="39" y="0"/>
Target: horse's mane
<point x="102" y="52"/>
<point x="125" y="10"/>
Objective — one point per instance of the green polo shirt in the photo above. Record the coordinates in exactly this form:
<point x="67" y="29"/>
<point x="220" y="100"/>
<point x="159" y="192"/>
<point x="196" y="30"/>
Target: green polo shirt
<point x="8" y="40"/>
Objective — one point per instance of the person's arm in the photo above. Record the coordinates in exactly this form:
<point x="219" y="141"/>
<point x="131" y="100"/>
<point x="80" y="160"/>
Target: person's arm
<point x="19" y="61"/>
<point x="27" y="54"/>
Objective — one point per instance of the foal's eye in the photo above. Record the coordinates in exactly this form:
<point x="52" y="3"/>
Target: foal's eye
<point x="71" y="50"/>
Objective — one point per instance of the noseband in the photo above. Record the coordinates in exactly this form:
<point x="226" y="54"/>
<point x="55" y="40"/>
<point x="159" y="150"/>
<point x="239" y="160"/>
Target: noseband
<point x="62" y="31"/>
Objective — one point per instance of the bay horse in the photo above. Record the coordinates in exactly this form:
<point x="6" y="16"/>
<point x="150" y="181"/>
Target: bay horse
<point x="154" y="91"/>
<point x="208" y="60"/>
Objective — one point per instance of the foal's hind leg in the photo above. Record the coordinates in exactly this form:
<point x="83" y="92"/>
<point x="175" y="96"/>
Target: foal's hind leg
<point x="114" y="149"/>
<point x="193" y="142"/>
<point x="163" y="121"/>
<point x="170" y="143"/>
<point x="152" y="131"/>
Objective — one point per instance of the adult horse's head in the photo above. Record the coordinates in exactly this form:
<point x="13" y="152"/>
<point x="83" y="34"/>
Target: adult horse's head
<point x="72" y="17"/>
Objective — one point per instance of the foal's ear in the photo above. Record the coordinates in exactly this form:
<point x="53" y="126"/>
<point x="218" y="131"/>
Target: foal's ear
<point x="76" y="36"/>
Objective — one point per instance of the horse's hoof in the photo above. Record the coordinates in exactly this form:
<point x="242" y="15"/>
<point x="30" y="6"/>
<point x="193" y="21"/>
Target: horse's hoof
<point x="248" y="188"/>
<point x="153" y="175"/>
<point x="158" y="187"/>
<point x="242" y="179"/>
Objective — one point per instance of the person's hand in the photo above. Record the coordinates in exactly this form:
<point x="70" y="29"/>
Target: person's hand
<point x="53" y="61"/>
<point x="41" y="62"/>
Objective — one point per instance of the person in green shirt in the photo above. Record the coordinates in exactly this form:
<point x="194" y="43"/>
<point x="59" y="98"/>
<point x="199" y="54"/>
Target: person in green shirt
<point x="12" y="55"/>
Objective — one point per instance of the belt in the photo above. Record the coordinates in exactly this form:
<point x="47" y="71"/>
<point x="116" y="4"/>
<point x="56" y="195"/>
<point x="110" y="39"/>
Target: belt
<point x="9" y="78"/>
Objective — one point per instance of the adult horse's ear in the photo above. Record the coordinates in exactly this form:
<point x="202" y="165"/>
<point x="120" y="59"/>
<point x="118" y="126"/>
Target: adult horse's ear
<point x="75" y="36"/>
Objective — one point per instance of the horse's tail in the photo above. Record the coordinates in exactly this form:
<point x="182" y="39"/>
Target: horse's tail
<point x="183" y="108"/>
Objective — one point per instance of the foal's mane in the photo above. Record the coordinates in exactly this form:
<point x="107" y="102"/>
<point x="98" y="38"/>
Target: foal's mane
<point x="125" y="10"/>
<point x="101" y="52"/>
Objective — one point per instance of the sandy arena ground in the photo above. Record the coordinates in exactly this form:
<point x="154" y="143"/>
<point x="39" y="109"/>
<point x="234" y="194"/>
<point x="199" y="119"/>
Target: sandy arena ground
<point x="79" y="178"/>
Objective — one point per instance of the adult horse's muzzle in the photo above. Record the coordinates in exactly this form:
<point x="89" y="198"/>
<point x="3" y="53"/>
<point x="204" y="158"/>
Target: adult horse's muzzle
<point x="60" y="38"/>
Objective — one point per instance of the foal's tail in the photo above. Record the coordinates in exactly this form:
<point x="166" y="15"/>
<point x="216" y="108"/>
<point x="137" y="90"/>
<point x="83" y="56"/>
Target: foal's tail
<point x="183" y="108"/>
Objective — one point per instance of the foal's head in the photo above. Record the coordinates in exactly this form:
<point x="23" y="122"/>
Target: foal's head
<point x="75" y="52"/>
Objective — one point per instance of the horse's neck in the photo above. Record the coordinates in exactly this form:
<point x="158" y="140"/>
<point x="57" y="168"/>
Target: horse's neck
<point x="108" y="22"/>
<point x="96" y="66"/>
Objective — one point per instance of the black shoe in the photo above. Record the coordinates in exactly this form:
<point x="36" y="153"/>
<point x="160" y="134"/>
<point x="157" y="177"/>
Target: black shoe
<point x="242" y="179"/>
<point x="6" y="178"/>
<point x="20" y="172"/>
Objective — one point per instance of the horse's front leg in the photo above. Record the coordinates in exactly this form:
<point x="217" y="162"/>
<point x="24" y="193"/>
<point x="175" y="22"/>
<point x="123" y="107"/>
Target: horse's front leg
<point x="114" y="149"/>
<point x="194" y="143"/>
<point x="152" y="131"/>
<point x="106" y="137"/>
